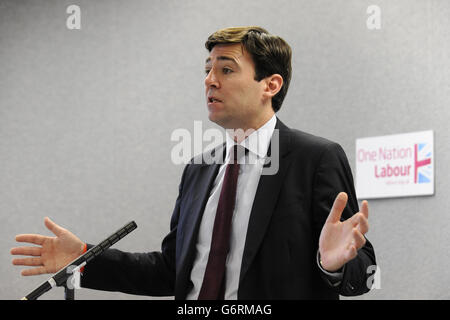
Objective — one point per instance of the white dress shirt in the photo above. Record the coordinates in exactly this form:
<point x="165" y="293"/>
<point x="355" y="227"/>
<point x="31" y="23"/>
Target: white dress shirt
<point x="250" y="169"/>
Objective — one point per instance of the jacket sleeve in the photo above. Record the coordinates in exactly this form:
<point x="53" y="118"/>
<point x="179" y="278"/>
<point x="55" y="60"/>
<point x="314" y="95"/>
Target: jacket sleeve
<point x="333" y="175"/>
<point x="150" y="273"/>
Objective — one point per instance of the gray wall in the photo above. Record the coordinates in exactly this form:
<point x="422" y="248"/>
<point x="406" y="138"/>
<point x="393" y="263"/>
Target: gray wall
<point x="86" y="116"/>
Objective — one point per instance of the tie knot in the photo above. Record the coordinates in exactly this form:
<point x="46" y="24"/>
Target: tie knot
<point x="237" y="152"/>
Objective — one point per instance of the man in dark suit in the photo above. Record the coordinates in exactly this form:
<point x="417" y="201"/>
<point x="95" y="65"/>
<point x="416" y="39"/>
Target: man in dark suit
<point x="290" y="233"/>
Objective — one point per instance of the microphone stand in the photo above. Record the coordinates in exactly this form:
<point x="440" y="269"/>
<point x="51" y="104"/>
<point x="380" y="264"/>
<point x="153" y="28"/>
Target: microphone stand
<point x="73" y="268"/>
<point x="69" y="294"/>
<point x="69" y="285"/>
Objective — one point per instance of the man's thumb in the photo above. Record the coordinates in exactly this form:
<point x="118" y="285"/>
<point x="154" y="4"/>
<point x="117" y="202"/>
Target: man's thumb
<point x="53" y="227"/>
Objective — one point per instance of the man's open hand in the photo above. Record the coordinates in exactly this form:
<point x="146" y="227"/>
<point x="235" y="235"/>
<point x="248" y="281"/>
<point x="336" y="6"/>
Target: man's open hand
<point x="51" y="254"/>
<point x="340" y="240"/>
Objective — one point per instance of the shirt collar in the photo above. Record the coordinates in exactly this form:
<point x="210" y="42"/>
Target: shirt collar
<point x="257" y="142"/>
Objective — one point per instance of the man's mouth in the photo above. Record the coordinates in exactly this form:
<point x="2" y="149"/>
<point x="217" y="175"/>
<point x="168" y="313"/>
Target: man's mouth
<point x="213" y="99"/>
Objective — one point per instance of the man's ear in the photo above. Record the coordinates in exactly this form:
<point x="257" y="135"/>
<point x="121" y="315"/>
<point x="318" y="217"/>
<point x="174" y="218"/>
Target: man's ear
<point x="273" y="85"/>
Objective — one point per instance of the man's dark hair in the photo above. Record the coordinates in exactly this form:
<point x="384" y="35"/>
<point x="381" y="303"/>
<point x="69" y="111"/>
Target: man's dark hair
<point x="270" y="54"/>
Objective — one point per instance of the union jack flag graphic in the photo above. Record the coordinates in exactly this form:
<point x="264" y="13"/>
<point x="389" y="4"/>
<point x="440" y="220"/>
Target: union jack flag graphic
<point x="423" y="172"/>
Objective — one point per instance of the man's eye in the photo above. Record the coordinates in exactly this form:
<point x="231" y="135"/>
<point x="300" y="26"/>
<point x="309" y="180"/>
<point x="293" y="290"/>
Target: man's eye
<point x="227" y="70"/>
<point x="207" y="71"/>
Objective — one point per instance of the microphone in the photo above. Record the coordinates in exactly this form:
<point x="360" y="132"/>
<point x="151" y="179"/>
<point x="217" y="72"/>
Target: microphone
<point x="62" y="275"/>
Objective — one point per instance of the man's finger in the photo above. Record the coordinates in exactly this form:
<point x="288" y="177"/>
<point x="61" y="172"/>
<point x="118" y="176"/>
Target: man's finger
<point x="31" y="238"/>
<point x="27" y="262"/>
<point x="338" y="206"/>
<point x="53" y="227"/>
<point x="33" y="271"/>
<point x="27" y="251"/>
<point x="358" y="239"/>
<point x="363" y="224"/>
<point x="350" y="253"/>
<point x="365" y="209"/>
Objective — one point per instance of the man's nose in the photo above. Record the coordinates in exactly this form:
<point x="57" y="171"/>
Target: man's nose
<point x="211" y="80"/>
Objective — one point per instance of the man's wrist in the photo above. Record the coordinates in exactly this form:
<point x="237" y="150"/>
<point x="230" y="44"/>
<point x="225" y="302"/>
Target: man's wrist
<point x="336" y="275"/>
<point x="84" y="251"/>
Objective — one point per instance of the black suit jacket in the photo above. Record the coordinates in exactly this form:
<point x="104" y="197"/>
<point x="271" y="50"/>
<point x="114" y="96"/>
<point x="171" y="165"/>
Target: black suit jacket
<point x="279" y="260"/>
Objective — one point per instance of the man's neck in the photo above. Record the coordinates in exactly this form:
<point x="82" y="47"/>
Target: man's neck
<point x="240" y="134"/>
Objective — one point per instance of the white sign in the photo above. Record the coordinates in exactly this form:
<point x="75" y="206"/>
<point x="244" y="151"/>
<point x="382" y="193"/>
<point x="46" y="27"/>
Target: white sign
<point x="398" y="165"/>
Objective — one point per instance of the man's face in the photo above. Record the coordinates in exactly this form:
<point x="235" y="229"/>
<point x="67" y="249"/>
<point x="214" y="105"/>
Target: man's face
<point x="234" y="97"/>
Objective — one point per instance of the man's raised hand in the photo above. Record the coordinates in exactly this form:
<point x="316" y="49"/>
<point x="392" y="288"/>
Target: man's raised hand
<point x="340" y="240"/>
<point x="51" y="253"/>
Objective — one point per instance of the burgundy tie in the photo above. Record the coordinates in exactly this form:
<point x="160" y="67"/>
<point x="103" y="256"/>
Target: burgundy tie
<point x="213" y="286"/>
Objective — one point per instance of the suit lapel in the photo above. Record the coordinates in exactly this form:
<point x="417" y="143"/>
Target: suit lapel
<point x="265" y="200"/>
<point x="207" y="174"/>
